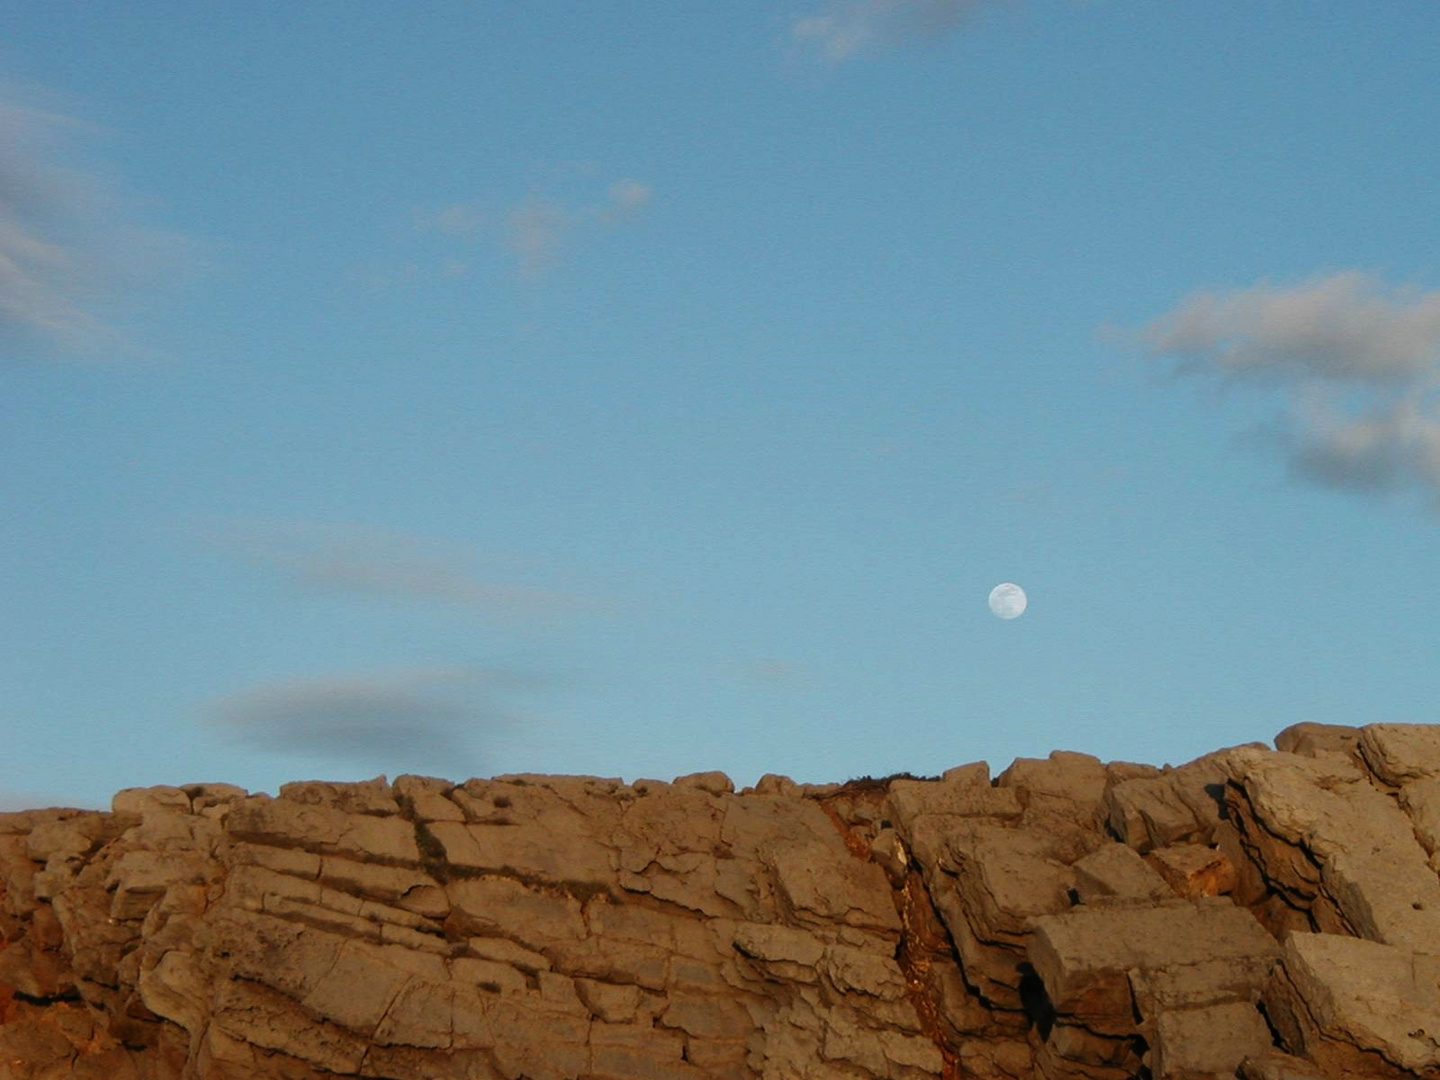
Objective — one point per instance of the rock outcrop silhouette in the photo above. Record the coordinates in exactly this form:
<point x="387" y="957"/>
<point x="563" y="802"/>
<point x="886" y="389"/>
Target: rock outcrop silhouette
<point x="1271" y="914"/>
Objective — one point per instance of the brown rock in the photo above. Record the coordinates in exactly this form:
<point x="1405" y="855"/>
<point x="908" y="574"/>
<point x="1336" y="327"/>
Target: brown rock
<point x="1197" y="1044"/>
<point x="573" y="928"/>
<point x="1323" y="832"/>
<point x="1317" y="740"/>
<point x="1399" y="753"/>
<point x="1351" y="1004"/>
<point x="1193" y="870"/>
<point x="1084" y="957"/>
<point x="1114" y="873"/>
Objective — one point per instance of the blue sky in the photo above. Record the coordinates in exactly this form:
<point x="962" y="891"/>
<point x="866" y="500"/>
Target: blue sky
<point x="636" y="389"/>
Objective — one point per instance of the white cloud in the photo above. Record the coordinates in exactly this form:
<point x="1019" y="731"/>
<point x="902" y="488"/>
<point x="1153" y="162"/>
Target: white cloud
<point x="1357" y="365"/>
<point x="847" y="28"/>
<point x="400" y="716"/>
<point x="364" y="561"/>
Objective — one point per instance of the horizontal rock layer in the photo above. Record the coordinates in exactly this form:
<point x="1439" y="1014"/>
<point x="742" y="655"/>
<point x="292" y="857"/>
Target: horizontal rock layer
<point x="1256" y="913"/>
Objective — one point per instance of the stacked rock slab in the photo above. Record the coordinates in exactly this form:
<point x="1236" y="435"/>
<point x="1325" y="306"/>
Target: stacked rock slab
<point x="1254" y="913"/>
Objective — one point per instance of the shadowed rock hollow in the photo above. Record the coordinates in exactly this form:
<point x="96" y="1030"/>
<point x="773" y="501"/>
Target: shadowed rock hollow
<point x="1262" y="913"/>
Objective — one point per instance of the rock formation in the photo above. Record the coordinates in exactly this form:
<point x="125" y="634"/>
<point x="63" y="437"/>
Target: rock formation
<point x="1257" y="913"/>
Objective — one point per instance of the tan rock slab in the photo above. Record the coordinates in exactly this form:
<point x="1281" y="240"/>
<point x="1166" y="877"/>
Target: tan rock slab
<point x="1371" y="865"/>
<point x="1357" y="1003"/>
<point x="1399" y="753"/>
<point x="1116" y="873"/>
<point x="1199" y="1044"/>
<point x="1193" y="870"/>
<point x="1084" y="957"/>
<point x="1319" y="740"/>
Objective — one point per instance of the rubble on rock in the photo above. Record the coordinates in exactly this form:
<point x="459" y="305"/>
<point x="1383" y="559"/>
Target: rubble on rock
<point x="1255" y="913"/>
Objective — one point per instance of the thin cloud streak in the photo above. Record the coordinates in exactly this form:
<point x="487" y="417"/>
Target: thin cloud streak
<point x="359" y="560"/>
<point x="44" y="267"/>
<point x="845" y="29"/>
<point x="65" y="248"/>
<point x="1356" y="363"/>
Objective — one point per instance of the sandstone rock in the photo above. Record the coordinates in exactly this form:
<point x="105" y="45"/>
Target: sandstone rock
<point x="1355" y="1005"/>
<point x="1191" y="1044"/>
<point x="1421" y="800"/>
<point x="579" y="927"/>
<point x="715" y="782"/>
<point x="1116" y="874"/>
<point x="1084" y="958"/>
<point x="1398" y="753"/>
<point x="1317" y="740"/>
<point x="1337" y="845"/>
<point x="1195" y="870"/>
<point x="1274" y="1064"/>
<point x="1181" y="805"/>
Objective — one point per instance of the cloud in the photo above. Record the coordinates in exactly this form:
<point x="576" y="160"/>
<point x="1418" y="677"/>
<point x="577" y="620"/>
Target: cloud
<point x="457" y="219"/>
<point x="846" y="28"/>
<point x="537" y="230"/>
<point x="403" y="715"/>
<point x="624" y="199"/>
<point x="44" y="267"/>
<point x="360" y="560"/>
<point x="770" y="673"/>
<point x="1342" y="327"/>
<point x="65" y="249"/>
<point x="1356" y="365"/>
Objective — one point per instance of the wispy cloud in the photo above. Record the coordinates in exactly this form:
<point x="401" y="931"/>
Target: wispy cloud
<point x="398" y="717"/>
<point x="66" y="250"/>
<point x="362" y="560"/>
<point x="45" y="269"/>
<point x="844" y="29"/>
<point x="535" y="230"/>
<point x="771" y="673"/>
<point x="538" y="230"/>
<point x="1357" y="365"/>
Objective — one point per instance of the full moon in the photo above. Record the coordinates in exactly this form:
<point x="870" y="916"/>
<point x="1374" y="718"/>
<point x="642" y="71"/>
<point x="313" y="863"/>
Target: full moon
<point x="1007" y="600"/>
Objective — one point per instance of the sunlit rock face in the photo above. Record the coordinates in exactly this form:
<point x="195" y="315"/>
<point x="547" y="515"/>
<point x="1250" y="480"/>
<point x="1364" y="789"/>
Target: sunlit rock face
<point x="1256" y="912"/>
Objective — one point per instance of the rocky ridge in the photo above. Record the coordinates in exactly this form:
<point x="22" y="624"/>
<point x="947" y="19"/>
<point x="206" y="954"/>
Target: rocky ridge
<point x="1267" y="914"/>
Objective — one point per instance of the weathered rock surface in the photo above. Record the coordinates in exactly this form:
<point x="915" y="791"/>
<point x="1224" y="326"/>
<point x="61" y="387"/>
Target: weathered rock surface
<point x="1255" y="913"/>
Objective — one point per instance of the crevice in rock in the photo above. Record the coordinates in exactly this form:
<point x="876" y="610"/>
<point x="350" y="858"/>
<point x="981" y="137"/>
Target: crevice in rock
<point x="913" y="952"/>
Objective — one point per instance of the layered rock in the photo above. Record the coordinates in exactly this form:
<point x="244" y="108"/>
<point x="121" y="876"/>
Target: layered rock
<point x="1257" y="912"/>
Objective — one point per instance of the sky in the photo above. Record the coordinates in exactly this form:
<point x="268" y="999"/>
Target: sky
<point x="633" y="390"/>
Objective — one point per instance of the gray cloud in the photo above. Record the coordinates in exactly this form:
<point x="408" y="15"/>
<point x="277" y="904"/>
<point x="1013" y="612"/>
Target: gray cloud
<point x="405" y="716"/>
<point x="66" y="251"/>
<point x="1343" y="327"/>
<point x="1356" y="366"/>
<point x="360" y="560"/>
<point x="844" y="29"/>
<point x="45" y="268"/>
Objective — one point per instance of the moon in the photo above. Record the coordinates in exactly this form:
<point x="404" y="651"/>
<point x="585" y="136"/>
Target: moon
<point x="1008" y="600"/>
